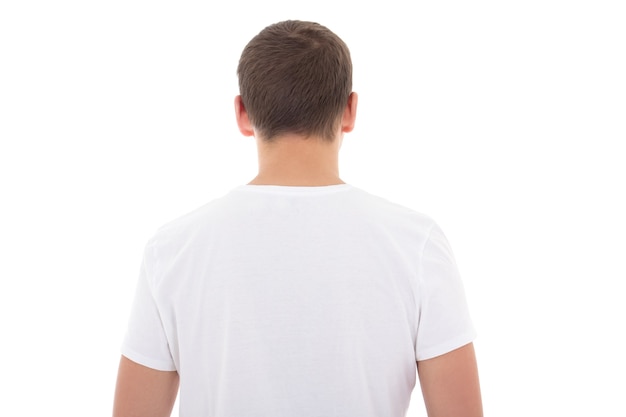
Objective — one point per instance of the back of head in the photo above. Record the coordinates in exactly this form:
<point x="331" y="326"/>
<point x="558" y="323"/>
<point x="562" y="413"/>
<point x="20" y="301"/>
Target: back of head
<point x="295" y="77"/>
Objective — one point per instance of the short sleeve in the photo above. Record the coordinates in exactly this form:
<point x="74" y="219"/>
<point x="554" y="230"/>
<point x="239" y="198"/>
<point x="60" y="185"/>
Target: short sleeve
<point x="145" y="341"/>
<point x="444" y="322"/>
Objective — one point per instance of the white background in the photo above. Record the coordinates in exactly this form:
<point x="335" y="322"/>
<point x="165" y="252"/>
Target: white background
<point x="505" y="121"/>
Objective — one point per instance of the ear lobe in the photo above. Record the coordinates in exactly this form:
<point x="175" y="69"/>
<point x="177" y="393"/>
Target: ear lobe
<point x="241" y="114"/>
<point x="349" y="114"/>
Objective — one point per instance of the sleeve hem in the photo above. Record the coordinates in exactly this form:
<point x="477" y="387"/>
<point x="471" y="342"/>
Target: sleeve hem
<point x="159" y="365"/>
<point x="448" y="346"/>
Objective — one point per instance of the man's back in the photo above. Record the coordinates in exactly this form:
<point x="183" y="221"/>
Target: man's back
<point x="297" y="301"/>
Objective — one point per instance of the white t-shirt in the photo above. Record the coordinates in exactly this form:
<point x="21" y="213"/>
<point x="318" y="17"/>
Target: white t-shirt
<point x="278" y="301"/>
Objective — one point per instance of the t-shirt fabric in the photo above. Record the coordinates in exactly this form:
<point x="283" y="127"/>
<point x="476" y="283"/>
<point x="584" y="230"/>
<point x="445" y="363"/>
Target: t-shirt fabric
<point x="277" y="301"/>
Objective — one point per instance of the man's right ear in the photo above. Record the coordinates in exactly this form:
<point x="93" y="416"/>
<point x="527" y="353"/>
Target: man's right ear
<point x="243" y="122"/>
<point x="349" y="113"/>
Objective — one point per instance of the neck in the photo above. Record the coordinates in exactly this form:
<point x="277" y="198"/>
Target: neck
<point x="294" y="161"/>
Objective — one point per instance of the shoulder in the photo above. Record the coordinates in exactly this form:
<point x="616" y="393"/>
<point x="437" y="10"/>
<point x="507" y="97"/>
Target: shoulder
<point x="189" y="226"/>
<point x="393" y="214"/>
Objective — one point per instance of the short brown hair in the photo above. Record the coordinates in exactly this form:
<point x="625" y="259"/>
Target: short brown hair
<point x="295" y="77"/>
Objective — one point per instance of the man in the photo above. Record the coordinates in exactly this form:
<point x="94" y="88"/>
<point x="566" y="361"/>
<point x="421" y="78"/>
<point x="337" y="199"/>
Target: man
<point x="298" y="295"/>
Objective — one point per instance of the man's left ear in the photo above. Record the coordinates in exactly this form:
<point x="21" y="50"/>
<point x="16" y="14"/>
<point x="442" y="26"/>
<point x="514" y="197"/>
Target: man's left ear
<point x="243" y="122"/>
<point x="349" y="114"/>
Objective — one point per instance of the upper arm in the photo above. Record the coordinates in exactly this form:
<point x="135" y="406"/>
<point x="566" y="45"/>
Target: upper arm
<point x="450" y="384"/>
<point x="143" y="391"/>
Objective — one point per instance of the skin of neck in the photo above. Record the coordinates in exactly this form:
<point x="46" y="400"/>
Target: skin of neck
<point x="294" y="160"/>
<point x="297" y="161"/>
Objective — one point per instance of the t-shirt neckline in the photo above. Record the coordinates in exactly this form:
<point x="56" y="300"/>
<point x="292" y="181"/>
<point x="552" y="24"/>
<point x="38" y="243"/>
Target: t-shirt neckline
<point x="295" y="189"/>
